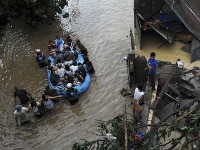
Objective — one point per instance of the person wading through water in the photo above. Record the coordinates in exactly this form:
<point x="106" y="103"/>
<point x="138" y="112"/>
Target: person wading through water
<point x="40" y="58"/>
<point x="22" y="94"/>
<point x="21" y="116"/>
<point x="72" y="93"/>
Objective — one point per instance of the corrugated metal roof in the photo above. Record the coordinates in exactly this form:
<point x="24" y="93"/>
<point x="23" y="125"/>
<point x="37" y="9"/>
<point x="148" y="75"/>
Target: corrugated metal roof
<point x="189" y="13"/>
<point x="167" y="35"/>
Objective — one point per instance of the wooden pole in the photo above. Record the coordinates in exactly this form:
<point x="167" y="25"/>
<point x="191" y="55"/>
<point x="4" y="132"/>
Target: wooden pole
<point x="125" y="127"/>
<point x="185" y="115"/>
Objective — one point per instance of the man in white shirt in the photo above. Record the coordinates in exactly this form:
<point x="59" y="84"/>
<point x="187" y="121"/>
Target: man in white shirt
<point x="60" y="71"/>
<point x="21" y="115"/>
<point x="138" y="94"/>
<point x="74" y="67"/>
<point x="179" y="63"/>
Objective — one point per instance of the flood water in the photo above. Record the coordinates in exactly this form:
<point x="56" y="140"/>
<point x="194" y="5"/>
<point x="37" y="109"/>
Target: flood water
<point x="103" y="27"/>
<point x="164" y="51"/>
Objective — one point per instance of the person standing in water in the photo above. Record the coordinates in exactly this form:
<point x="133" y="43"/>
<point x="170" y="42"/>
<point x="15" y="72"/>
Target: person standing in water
<point x="40" y="58"/>
<point x="48" y="103"/>
<point x="72" y="94"/>
<point x="38" y="109"/>
<point x="22" y="94"/>
<point x="152" y="65"/>
<point x="21" y="116"/>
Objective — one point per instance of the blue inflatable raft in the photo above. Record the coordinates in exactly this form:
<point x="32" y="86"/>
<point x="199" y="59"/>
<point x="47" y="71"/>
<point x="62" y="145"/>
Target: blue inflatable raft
<point x="81" y="88"/>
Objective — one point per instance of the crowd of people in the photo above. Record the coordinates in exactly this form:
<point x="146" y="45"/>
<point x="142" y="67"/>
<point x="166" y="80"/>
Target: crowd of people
<point x="139" y="90"/>
<point x="138" y="94"/>
<point x="65" y="74"/>
<point x="64" y="69"/>
<point x="25" y="102"/>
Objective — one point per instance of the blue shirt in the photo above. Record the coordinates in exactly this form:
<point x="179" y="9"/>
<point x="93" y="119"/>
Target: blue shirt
<point x="153" y="64"/>
<point x="59" y="42"/>
<point x="40" y="57"/>
<point x="48" y="104"/>
<point x="59" y="56"/>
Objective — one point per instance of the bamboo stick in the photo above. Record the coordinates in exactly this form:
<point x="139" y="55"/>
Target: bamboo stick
<point x="125" y="127"/>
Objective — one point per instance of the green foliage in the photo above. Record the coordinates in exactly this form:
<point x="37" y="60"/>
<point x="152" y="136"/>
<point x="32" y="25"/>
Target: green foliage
<point x="32" y="11"/>
<point x="66" y="15"/>
<point x="114" y="126"/>
<point x="161" y="130"/>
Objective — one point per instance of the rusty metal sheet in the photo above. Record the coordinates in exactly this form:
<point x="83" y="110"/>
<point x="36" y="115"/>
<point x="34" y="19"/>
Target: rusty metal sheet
<point x="188" y="12"/>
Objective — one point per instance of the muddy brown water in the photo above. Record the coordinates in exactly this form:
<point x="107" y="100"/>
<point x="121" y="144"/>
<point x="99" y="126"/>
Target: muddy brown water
<point x="103" y="26"/>
<point x="164" y="52"/>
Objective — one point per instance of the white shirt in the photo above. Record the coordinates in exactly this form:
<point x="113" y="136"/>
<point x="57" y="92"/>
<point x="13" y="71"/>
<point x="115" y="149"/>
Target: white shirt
<point x="68" y="62"/>
<point x="138" y="94"/>
<point x="35" y="109"/>
<point x="73" y="68"/>
<point x="180" y="64"/>
<point x="69" y="73"/>
<point x="23" y="111"/>
<point x="63" y="65"/>
<point x="60" y="72"/>
<point x="23" y="117"/>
